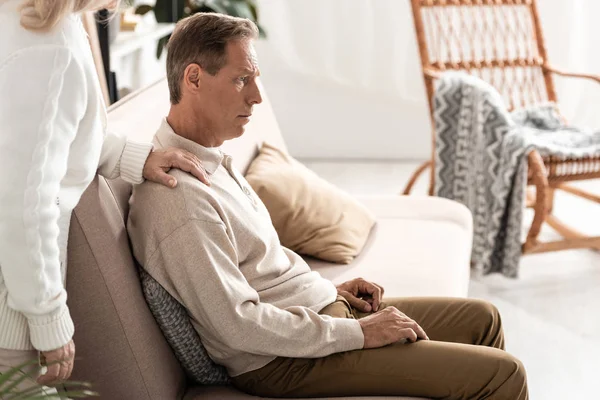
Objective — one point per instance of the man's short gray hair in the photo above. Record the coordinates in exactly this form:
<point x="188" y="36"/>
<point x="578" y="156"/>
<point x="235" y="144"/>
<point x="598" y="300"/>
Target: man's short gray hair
<point x="202" y="39"/>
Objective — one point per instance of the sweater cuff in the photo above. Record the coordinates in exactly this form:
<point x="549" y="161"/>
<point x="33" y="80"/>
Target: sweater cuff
<point x="51" y="332"/>
<point x="132" y="161"/>
<point x="351" y="336"/>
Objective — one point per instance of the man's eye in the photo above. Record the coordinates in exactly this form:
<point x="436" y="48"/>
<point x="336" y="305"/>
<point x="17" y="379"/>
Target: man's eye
<point x="243" y="79"/>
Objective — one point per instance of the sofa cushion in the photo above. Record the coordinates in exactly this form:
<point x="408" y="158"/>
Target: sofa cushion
<point x="420" y="246"/>
<point x="310" y="215"/>
<point x="119" y="348"/>
<point x="181" y="335"/>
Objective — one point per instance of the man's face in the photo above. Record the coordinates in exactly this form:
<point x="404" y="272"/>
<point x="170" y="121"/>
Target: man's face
<point x="224" y="101"/>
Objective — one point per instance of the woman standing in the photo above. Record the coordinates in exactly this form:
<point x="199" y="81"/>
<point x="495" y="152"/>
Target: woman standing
<point x="53" y="140"/>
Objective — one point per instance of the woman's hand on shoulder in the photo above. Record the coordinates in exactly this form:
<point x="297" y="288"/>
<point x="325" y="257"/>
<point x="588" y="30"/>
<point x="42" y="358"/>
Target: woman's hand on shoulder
<point x="160" y="162"/>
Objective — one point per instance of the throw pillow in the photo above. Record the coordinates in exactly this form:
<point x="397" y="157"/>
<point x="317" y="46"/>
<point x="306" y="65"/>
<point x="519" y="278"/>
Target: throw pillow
<point x="311" y="216"/>
<point x="173" y="320"/>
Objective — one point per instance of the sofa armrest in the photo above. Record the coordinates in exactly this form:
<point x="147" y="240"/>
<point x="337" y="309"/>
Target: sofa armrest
<point x="420" y="246"/>
<point x="419" y="207"/>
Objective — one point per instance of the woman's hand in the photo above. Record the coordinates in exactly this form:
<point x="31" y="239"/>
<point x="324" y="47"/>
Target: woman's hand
<point x="59" y="363"/>
<point x="159" y="162"/>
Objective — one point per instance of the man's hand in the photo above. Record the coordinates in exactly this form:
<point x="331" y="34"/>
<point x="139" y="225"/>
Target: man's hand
<point x="59" y="362"/>
<point x="389" y="326"/>
<point x="353" y="290"/>
<point x="159" y="162"/>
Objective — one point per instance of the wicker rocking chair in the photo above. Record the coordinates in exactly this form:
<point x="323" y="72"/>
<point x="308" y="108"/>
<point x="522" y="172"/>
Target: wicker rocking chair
<point x="501" y="42"/>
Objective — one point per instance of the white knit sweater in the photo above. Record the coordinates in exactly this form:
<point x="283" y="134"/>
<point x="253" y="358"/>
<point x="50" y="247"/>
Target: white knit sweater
<point x="53" y="139"/>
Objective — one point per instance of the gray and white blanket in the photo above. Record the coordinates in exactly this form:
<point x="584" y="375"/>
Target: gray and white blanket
<point x="481" y="161"/>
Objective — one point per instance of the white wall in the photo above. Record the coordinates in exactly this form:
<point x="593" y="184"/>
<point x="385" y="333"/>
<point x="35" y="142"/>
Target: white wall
<point x="344" y="75"/>
<point x="139" y="68"/>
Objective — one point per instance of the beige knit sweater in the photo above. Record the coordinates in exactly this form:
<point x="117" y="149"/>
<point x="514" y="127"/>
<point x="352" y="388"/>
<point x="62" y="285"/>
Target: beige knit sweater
<point x="215" y="250"/>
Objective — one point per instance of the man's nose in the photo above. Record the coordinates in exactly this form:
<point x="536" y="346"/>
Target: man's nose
<point x="255" y="96"/>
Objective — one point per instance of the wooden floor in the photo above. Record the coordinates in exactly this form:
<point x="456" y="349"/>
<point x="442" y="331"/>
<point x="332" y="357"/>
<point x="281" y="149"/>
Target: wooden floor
<point x="551" y="313"/>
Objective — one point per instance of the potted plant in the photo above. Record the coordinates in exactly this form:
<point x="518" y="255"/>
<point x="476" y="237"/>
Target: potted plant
<point x="174" y="10"/>
<point x="11" y="386"/>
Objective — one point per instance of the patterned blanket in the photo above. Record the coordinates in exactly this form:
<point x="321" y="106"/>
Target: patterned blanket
<point x="481" y="161"/>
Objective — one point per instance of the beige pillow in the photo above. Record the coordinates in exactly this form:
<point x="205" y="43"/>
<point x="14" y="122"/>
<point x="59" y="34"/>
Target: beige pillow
<point x="311" y="216"/>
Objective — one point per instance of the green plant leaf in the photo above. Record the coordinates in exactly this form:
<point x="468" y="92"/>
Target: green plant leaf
<point x="38" y="391"/>
<point x="214" y="6"/>
<point x="242" y="9"/>
<point x="162" y="42"/>
<point x="254" y="9"/>
<point x="164" y="10"/>
<point x="77" y="383"/>
<point x="143" y="9"/>
<point x="8" y="375"/>
<point x="237" y="8"/>
<point x="11" y="379"/>
<point x="261" y="32"/>
<point x="35" y="390"/>
<point x="12" y="384"/>
<point x="62" y="395"/>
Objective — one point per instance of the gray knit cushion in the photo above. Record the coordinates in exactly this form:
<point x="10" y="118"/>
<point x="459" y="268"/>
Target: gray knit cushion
<point x="175" y="324"/>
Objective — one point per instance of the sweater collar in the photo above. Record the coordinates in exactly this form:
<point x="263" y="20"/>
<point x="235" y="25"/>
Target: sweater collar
<point x="211" y="157"/>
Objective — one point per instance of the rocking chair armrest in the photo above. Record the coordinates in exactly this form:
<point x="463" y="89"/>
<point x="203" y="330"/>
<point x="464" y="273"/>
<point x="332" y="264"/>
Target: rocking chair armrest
<point x="571" y="74"/>
<point x="432" y="73"/>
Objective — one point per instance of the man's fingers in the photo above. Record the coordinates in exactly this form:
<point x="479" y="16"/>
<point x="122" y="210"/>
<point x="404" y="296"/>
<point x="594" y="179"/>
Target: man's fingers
<point x="376" y="303"/>
<point x="412" y="324"/>
<point x="372" y="289"/>
<point x="402" y="316"/>
<point x="408" y="334"/>
<point x="395" y="311"/>
<point x="357" y="303"/>
<point x="406" y="321"/>
<point x="375" y="293"/>
<point x="380" y="288"/>
<point x="419" y="331"/>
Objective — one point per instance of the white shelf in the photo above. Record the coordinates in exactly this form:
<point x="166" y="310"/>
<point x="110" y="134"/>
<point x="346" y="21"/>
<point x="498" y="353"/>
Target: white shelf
<point x="128" y="42"/>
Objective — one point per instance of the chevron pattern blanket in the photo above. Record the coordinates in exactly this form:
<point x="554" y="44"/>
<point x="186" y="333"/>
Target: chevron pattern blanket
<point x="481" y="161"/>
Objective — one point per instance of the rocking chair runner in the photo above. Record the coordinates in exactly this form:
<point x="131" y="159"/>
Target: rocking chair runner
<point x="501" y="42"/>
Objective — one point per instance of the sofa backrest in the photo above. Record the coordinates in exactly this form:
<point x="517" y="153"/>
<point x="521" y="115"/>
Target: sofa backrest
<point x="119" y="347"/>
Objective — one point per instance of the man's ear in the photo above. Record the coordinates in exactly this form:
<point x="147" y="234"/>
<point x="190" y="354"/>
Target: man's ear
<point x="192" y="77"/>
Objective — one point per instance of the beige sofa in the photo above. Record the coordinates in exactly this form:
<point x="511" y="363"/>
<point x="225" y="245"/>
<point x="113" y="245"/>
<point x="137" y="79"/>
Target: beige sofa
<point x="420" y="246"/>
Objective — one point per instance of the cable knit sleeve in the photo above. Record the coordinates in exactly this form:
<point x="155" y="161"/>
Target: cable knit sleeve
<point x="39" y="116"/>
<point x="124" y="158"/>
